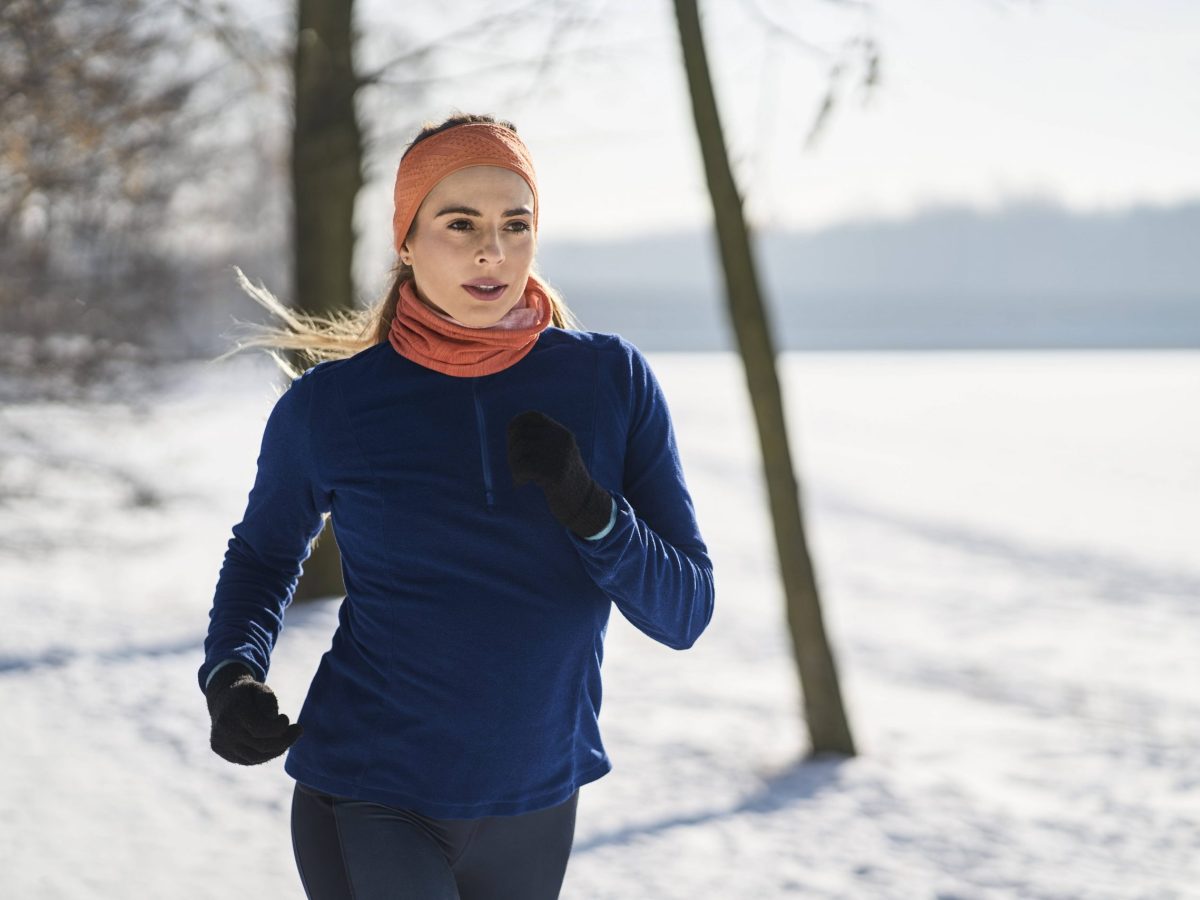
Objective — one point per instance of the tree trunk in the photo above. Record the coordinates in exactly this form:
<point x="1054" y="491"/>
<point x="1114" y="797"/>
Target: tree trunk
<point x="829" y="731"/>
<point x="326" y="177"/>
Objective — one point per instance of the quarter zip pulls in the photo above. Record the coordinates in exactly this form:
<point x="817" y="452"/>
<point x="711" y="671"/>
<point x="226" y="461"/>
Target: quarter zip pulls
<point x="481" y="423"/>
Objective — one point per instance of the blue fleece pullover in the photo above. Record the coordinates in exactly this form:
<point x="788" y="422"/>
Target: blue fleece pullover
<point x="463" y="678"/>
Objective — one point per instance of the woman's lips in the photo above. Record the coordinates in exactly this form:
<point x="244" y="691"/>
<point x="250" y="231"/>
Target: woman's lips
<point x="482" y="294"/>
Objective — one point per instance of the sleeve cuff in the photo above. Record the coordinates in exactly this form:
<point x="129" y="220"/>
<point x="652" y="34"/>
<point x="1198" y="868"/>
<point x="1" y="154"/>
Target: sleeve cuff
<point x="217" y="668"/>
<point x="612" y="520"/>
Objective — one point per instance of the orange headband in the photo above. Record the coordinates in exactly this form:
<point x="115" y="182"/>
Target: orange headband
<point x="432" y="159"/>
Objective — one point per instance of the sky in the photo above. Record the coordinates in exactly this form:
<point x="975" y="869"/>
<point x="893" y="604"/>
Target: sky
<point x="1094" y="105"/>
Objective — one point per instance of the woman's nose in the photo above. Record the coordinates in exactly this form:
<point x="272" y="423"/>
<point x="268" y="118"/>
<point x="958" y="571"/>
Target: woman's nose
<point x="490" y="249"/>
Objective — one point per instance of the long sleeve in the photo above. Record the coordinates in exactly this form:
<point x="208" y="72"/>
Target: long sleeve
<point x="269" y="545"/>
<point x="652" y="562"/>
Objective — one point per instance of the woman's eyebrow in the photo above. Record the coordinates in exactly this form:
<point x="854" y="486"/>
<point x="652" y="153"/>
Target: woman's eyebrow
<point x="468" y="211"/>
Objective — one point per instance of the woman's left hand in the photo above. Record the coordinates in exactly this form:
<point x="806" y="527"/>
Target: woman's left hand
<point x="545" y="452"/>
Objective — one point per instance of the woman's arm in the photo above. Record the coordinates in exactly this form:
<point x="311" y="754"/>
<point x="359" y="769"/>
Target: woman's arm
<point x="653" y="562"/>
<point x="265" y="556"/>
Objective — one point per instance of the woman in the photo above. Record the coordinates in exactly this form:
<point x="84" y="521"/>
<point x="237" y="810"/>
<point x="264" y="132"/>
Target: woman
<point x="497" y="480"/>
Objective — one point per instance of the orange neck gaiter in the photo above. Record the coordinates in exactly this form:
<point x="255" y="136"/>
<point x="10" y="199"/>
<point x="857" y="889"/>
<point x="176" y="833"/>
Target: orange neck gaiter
<point x="445" y="345"/>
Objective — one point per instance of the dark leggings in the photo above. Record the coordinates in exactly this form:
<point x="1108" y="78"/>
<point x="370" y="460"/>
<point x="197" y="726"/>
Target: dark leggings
<point x="356" y="850"/>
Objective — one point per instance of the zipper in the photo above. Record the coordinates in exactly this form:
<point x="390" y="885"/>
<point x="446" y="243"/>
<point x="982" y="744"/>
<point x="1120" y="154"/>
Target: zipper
<point x="487" y="466"/>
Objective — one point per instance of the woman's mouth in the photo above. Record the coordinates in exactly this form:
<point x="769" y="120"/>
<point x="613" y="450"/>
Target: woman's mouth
<point x="485" y="292"/>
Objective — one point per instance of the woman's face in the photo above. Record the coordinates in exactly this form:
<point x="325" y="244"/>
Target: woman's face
<point x="475" y="225"/>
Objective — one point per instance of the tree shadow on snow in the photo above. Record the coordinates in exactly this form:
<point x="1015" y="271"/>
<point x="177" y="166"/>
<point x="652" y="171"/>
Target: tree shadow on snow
<point x="801" y="780"/>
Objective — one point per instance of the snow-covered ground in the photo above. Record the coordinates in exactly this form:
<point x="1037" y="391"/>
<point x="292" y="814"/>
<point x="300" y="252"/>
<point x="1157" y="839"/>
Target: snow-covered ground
<point x="1007" y="547"/>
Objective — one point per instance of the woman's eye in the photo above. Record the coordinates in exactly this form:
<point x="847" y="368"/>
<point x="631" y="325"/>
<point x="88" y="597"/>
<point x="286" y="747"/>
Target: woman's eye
<point x="468" y="225"/>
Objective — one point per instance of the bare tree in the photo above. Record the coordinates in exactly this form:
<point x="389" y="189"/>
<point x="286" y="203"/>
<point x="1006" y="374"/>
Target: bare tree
<point x="824" y="712"/>
<point x="327" y="154"/>
<point x="84" y="180"/>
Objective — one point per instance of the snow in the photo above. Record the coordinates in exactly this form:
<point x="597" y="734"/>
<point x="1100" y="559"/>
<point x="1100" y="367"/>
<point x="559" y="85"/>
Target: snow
<point x="1006" y="547"/>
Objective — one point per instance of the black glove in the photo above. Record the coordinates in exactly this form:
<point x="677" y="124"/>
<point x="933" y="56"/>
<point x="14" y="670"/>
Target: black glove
<point x="544" y="451"/>
<point x="247" y="727"/>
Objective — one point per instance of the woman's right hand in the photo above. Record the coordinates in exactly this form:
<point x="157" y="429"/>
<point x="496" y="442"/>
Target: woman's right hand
<point x="247" y="727"/>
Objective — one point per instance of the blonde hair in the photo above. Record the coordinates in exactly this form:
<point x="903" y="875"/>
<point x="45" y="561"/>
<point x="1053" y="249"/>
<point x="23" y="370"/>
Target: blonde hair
<point x="345" y="332"/>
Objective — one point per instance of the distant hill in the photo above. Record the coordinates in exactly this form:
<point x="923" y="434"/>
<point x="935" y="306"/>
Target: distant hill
<point x="1031" y="276"/>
